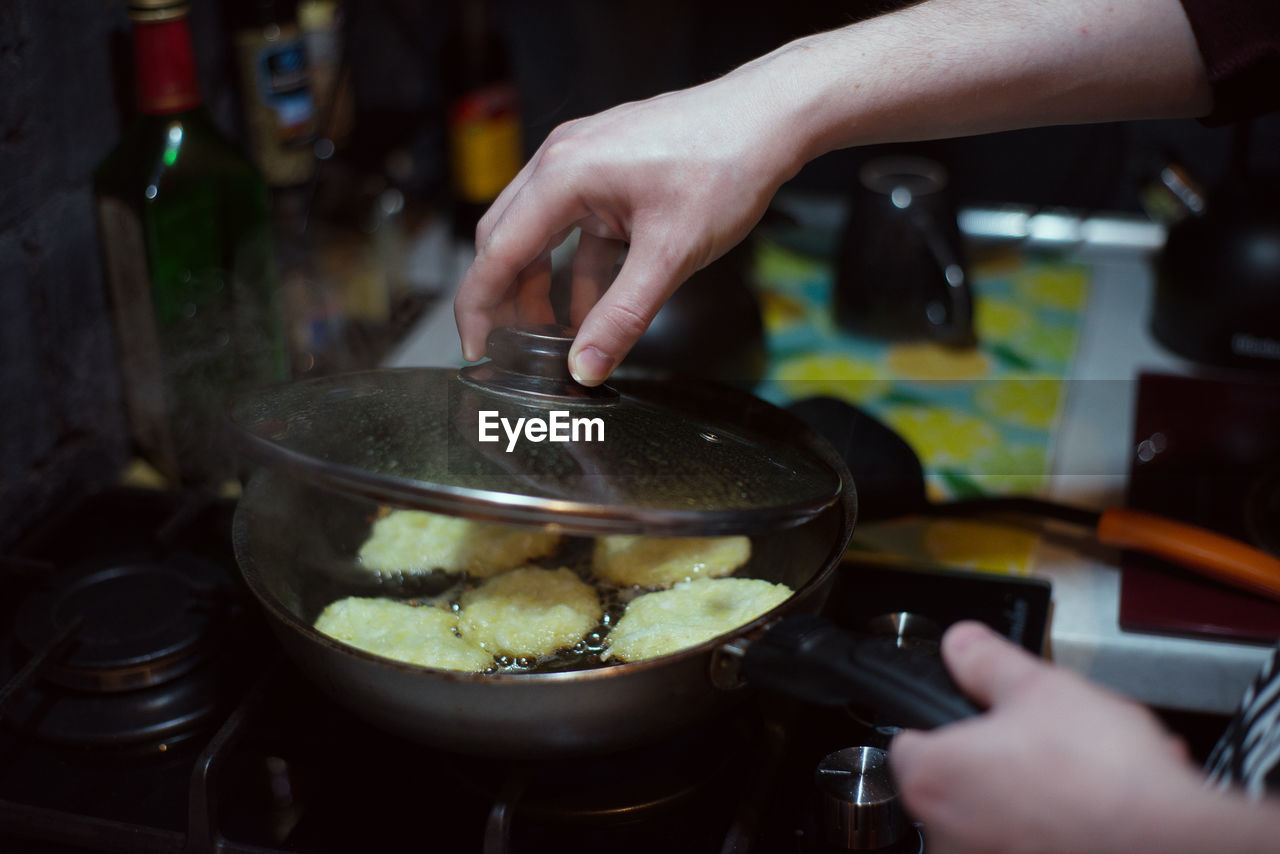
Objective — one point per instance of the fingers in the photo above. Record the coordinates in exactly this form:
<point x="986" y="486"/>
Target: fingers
<point x="986" y="666"/>
<point x="904" y="748"/>
<point x="612" y="327"/>
<point x="908" y="753"/>
<point x="511" y="238"/>
<point x="533" y="293"/>
<point x="593" y="267"/>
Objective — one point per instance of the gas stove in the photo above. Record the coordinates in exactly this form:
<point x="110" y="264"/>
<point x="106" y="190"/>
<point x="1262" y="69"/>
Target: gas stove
<point x="145" y="707"/>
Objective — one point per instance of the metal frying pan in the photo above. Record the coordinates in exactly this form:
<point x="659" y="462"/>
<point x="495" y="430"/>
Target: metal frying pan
<point x="296" y="539"/>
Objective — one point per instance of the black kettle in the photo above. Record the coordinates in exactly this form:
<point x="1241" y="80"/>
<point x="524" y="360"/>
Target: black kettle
<point x="900" y="272"/>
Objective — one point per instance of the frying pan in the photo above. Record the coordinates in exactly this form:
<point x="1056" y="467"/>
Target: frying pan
<point x="295" y="543"/>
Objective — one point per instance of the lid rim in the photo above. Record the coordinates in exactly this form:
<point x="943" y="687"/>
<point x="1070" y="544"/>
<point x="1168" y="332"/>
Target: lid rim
<point x="572" y="517"/>
<point x="764" y="469"/>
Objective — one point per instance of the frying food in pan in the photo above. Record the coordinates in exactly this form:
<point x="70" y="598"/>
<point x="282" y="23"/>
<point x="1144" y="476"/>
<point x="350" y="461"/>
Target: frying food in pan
<point x="412" y="541"/>
<point x="423" y="635"/>
<point x="691" y="612"/>
<point x="529" y="612"/>
<point x="627" y="560"/>
<point x="532" y="612"/>
<point x="299" y="524"/>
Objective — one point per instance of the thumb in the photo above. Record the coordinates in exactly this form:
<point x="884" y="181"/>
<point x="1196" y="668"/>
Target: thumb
<point x="904" y="750"/>
<point x="986" y="666"/>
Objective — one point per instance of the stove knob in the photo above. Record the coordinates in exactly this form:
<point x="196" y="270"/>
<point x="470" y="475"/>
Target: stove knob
<point x="858" y="804"/>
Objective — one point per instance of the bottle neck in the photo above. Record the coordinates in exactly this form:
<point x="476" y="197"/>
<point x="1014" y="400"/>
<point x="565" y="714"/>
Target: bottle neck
<point x="166" y="67"/>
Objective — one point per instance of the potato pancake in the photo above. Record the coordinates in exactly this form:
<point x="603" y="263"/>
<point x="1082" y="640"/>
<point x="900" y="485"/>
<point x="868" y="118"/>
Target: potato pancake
<point x="627" y="560"/>
<point x="691" y="612"/>
<point x="418" y="635"/>
<point x="417" y="541"/>
<point x="529" y="612"/>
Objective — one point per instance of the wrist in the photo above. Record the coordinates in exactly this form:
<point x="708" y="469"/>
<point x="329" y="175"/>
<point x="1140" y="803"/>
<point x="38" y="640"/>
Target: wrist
<point x="798" y="84"/>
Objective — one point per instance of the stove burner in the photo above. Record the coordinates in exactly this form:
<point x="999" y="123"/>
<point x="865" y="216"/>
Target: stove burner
<point x="597" y="791"/>
<point x="126" y="653"/>
<point x="142" y="624"/>
<point x="621" y="787"/>
<point x="150" y="719"/>
<point x="1262" y="511"/>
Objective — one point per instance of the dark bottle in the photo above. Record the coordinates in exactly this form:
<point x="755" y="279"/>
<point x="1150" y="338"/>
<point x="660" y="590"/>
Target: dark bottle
<point x="485" y="147"/>
<point x="186" y="233"/>
<point x="275" y="89"/>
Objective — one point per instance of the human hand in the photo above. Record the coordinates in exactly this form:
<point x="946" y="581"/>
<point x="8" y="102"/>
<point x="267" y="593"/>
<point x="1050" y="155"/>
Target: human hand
<point x="678" y="180"/>
<point x="682" y="177"/>
<point x="1055" y="765"/>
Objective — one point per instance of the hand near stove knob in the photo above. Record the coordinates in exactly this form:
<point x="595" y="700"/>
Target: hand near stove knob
<point x="1057" y="764"/>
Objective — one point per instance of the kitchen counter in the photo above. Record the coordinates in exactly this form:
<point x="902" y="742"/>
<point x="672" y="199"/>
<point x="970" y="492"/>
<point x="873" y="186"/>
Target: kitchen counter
<point x="1090" y="460"/>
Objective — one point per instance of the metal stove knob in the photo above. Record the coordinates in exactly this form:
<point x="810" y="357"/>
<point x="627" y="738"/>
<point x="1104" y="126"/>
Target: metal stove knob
<point x="858" y="805"/>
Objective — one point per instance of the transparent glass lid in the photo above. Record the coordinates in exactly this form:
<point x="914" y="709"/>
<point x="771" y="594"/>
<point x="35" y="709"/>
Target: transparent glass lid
<point x="514" y="440"/>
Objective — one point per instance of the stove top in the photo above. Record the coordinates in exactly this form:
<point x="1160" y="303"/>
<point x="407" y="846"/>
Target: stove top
<point x="145" y="707"/>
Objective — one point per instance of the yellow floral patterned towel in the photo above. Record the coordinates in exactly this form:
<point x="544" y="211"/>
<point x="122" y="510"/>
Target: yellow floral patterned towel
<point x="981" y="420"/>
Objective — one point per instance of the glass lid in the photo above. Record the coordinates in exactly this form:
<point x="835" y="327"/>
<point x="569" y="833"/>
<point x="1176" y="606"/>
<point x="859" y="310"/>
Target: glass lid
<point x="515" y="439"/>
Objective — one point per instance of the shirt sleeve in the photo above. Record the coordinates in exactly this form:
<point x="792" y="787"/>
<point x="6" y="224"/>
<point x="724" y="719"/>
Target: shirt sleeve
<point x="1248" y="754"/>
<point x="1239" y="41"/>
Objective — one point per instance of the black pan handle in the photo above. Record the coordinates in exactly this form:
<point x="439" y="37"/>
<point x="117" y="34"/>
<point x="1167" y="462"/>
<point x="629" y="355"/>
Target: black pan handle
<point x="811" y="659"/>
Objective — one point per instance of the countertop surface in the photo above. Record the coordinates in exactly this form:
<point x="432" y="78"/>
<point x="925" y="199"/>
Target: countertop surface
<point x="1090" y="462"/>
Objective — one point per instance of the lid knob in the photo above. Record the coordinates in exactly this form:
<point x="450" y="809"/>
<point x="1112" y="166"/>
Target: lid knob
<point x="541" y="351"/>
<point x="534" y="362"/>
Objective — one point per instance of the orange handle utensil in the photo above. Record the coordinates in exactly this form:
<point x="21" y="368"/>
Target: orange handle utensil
<point x="1208" y="553"/>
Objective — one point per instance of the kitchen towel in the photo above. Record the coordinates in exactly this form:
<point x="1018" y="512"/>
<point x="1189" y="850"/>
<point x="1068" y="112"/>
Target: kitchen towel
<point x="982" y="420"/>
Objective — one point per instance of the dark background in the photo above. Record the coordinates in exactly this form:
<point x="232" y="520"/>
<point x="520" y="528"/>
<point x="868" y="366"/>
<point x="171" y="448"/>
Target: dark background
<point x="65" y="92"/>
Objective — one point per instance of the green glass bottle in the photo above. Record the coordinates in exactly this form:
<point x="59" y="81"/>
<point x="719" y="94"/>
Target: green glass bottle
<point x="186" y="232"/>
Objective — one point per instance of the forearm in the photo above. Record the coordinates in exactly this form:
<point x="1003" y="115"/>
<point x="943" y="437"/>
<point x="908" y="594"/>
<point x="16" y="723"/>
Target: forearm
<point x="958" y="67"/>
<point x="681" y="177"/>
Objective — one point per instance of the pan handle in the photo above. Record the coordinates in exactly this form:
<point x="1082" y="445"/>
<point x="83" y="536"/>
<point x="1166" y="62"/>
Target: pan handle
<point x="811" y="659"/>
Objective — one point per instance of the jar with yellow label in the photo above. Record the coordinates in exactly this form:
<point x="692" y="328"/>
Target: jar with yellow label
<point x="485" y="141"/>
<point x="275" y="86"/>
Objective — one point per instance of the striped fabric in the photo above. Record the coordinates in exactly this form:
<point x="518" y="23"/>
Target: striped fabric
<point x="1248" y="753"/>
